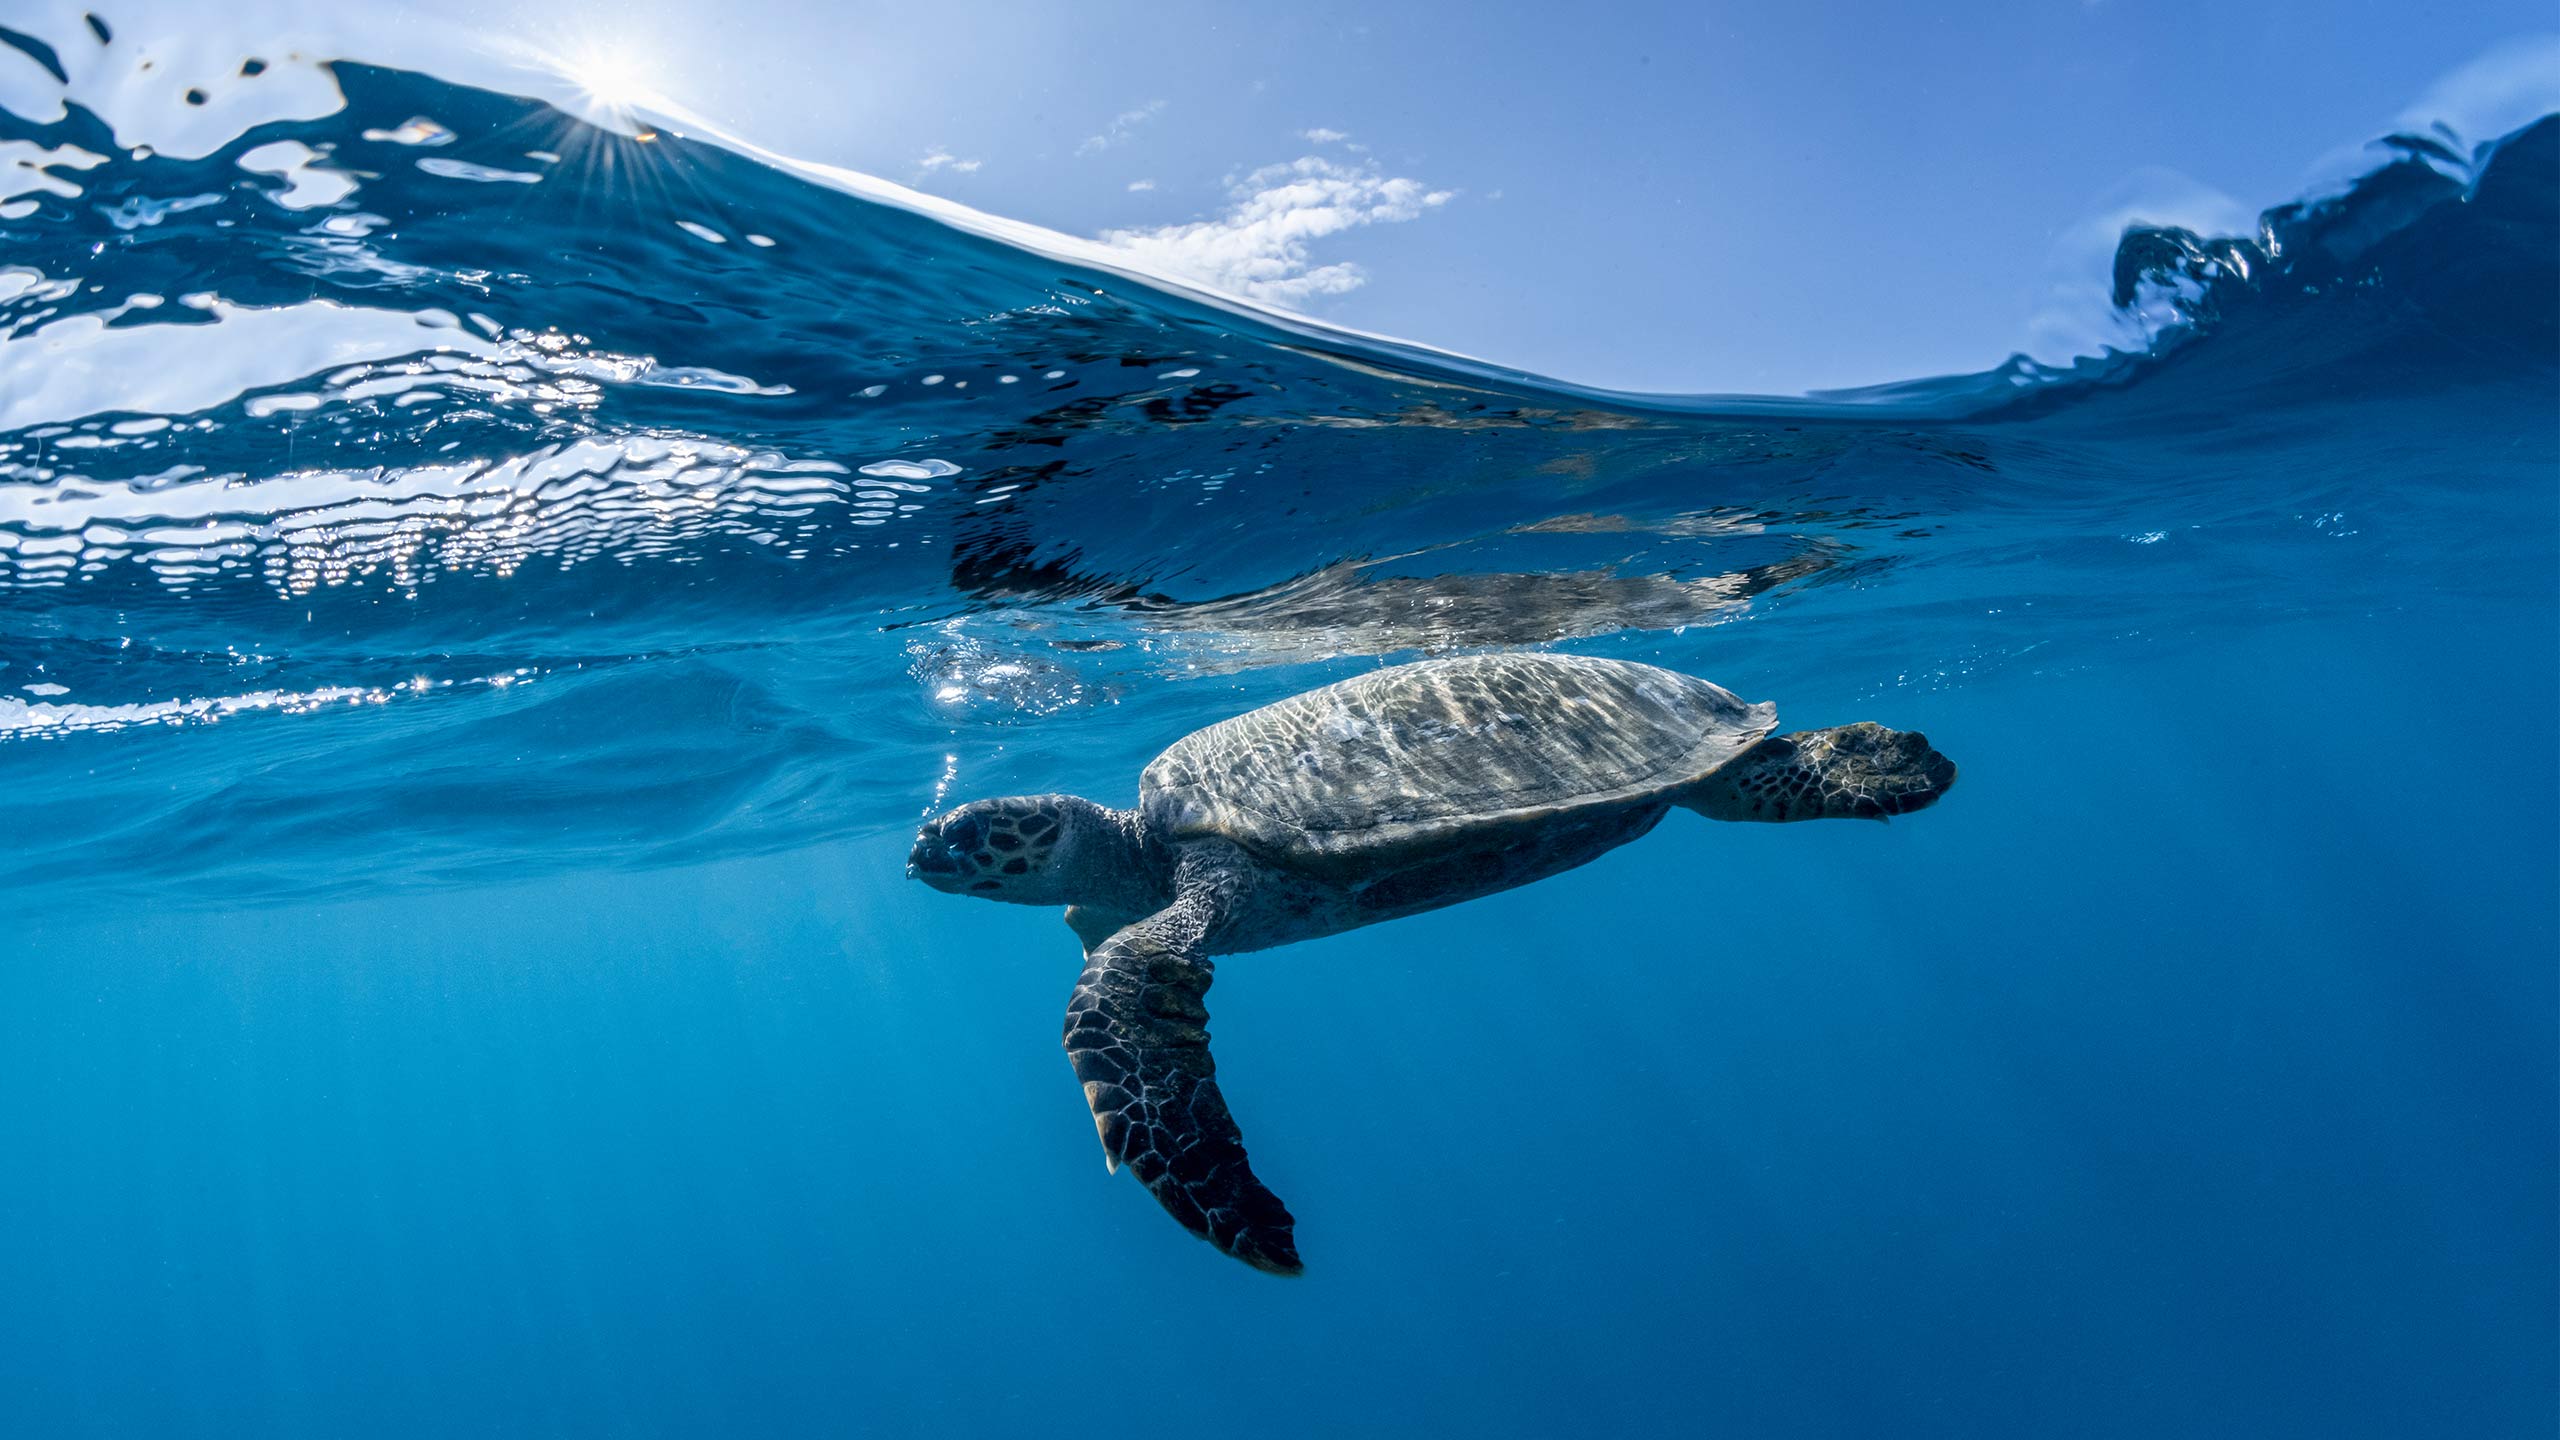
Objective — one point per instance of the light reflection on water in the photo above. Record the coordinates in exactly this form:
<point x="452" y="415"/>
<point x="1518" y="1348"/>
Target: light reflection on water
<point x="417" y="380"/>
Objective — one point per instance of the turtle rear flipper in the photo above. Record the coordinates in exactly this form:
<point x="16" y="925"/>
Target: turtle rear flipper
<point x="1138" y="1038"/>
<point x="1850" y="772"/>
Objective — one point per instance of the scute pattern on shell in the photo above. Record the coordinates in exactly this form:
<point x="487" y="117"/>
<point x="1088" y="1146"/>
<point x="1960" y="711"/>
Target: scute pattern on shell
<point x="1405" y="753"/>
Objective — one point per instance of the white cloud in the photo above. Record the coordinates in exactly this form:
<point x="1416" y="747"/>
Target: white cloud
<point x="2506" y="89"/>
<point x="1322" y="136"/>
<point x="1259" y="248"/>
<point x="1138" y="185"/>
<point x="1120" y="126"/>
<point x="938" y="158"/>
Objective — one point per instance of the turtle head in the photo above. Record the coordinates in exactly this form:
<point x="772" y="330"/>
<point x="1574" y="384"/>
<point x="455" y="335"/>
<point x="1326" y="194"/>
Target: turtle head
<point x="1025" y="849"/>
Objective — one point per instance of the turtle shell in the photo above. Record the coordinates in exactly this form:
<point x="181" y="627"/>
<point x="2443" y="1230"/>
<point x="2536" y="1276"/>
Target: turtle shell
<point x="1414" y="757"/>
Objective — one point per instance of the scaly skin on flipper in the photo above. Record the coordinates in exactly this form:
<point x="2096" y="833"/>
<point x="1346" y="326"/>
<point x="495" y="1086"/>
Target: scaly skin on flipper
<point x="1852" y="772"/>
<point x="1137" y="1035"/>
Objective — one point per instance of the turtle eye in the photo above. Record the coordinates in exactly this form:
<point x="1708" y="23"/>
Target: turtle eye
<point x="963" y="832"/>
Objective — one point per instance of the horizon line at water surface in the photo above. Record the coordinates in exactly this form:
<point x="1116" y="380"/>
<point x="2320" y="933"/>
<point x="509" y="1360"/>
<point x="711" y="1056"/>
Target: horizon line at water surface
<point x="438" y="465"/>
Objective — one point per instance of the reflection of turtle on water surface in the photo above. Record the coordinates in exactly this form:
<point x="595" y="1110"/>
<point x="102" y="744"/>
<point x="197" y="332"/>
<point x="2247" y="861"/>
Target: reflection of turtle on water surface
<point x="1358" y="607"/>
<point x="1397" y="792"/>
<point x="1349" y="609"/>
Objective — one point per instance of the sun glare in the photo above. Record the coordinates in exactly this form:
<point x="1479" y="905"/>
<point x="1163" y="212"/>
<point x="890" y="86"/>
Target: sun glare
<point x="613" y="78"/>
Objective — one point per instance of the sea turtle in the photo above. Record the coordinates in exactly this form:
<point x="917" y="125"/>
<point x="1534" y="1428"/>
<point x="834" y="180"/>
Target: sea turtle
<point x="1398" y="791"/>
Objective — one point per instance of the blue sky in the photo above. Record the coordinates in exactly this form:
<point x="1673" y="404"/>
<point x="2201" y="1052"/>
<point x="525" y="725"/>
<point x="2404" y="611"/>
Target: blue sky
<point x="1681" y="197"/>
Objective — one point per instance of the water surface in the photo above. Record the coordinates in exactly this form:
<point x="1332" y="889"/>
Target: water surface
<point x="484" y="598"/>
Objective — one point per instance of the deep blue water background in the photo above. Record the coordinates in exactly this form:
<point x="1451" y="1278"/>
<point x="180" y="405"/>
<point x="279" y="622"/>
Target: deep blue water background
<point x="569" y="1056"/>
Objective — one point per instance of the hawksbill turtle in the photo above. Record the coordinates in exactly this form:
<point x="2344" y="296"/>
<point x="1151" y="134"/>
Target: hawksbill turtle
<point x="1398" y="791"/>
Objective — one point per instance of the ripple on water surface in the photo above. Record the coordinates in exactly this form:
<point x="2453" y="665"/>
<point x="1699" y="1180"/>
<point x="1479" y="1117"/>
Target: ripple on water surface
<point x="365" y="434"/>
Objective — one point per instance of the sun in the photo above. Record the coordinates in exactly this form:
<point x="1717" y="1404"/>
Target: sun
<point x="613" y="78"/>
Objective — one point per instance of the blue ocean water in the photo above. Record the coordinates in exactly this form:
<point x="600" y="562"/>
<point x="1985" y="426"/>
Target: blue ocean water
<point x="484" y="601"/>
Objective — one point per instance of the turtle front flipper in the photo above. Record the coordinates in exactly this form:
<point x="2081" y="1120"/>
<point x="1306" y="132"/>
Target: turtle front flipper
<point x="1850" y="772"/>
<point x="1137" y="1035"/>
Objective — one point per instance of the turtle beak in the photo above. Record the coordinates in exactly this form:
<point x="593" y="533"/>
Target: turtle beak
<point x="933" y="860"/>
